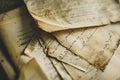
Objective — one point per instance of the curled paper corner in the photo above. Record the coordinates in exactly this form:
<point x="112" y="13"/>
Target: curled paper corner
<point x="55" y="15"/>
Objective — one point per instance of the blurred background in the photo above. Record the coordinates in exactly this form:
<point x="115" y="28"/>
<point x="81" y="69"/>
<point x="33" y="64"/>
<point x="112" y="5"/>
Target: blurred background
<point x="7" y="5"/>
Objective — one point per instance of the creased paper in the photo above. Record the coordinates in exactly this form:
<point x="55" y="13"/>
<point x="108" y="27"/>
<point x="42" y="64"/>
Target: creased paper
<point x="96" y="45"/>
<point x="54" y="15"/>
<point x="54" y="49"/>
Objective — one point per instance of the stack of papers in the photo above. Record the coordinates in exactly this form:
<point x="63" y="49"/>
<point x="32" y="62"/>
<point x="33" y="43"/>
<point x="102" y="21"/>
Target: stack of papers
<point x="65" y="39"/>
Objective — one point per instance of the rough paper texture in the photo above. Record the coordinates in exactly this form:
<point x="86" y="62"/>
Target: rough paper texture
<point x="54" y="49"/>
<point x="61" y="70"/>
<point x="94" y="74"/>
<point x="96" y="45"/>
<point x="78" y="74"/>
<point x="33" y="72"/>
<point x="43" y="61"/>
<point x="54" y="15"/>
<point x="91" y="72"/>
<point x="112" y="67"/>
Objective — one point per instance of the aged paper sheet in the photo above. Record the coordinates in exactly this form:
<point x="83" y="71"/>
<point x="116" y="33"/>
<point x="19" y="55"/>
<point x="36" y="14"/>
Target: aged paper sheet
<point x="90" y="73"/>
<point x="96" y="45"/>
<point x="111" y="71"/>
<point x="54" y="49"/>
<point x="94" y="74"/>
<point x="78" y="74"/>
<point x="61" y="70"/>
<point x="43" y="61"/>
<point x="38" y="53"/>
<point x="54" y="15"/>
<point x="33" y="72"/>
<point x="114" y="27"/>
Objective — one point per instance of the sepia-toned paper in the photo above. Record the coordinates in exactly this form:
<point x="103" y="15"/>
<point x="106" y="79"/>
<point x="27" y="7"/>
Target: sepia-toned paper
<point x="90" y="73"/>
<point x="94" y="74"/>
<point x="42" y="60"/>
<point x="62" y="54"/>
<point x="111" y="71"/>
<point x="55" y="15"/>
<point x="114" y="27"/>
<point x="95" y="45"/>
<point x="56" y="50"/>
<point x="57" y="65"/>
<point x="33" y="72"/>
<point x="77" y="74"/>
<point x="61" y="70"/>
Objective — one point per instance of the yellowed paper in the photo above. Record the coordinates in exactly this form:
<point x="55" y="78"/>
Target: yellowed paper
<point x="54" y="49"/>
<point x="54" y="15"/>
<point x="62" y="54"/>
<point x="57" y="65"/>
<point x="36" y="51"/>
<point x="77" y="74"/>
<point x="114" y="27"/>
<point x="96" y="45"/>
<point x="111" y="71"/>
<point x="16" y="30"/>
<point x="61" y="70"/>
<point x="74" y="72"/>
<point x="91" y="72"/>
<point x="32" y="71"/>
